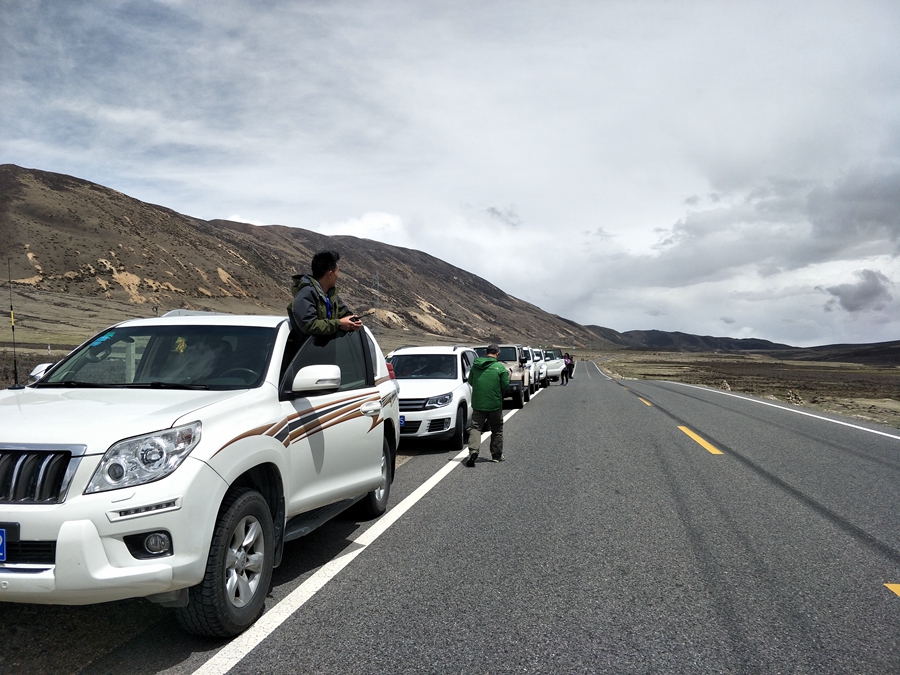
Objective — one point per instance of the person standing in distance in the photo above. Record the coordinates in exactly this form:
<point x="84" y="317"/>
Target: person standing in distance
<point x="317" y="309"/>
<point x="489" y="379"/>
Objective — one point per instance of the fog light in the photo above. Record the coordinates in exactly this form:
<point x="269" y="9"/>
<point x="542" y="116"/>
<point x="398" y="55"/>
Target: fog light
<point x="157" y="543"/>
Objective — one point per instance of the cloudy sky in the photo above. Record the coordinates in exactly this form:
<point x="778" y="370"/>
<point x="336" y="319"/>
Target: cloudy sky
<point x="714" y="167"/>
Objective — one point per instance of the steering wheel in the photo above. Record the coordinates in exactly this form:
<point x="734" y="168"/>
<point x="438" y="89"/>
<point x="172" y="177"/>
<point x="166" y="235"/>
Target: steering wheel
<point x="98" y="353"/>
<point x="241" y="371"/>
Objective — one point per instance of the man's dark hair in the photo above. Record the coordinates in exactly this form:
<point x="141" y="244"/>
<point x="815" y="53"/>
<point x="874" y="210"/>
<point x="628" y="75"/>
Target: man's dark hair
<point x="323" y="262"/>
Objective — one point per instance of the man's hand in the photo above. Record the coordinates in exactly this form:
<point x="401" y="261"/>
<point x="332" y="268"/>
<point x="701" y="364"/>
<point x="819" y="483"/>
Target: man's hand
<point x="351" y="323"/>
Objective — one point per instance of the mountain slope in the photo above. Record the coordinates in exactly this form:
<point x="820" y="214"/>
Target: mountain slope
<point x="70" y="241"/>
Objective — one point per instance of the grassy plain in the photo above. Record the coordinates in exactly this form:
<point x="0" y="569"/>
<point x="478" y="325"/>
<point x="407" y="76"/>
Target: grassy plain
<point x="865" y="392"/>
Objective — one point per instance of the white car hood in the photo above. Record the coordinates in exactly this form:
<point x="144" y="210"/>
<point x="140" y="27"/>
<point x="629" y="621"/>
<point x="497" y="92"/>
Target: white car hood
<point x="96" y="418"/>
<point x="426" y="388"/>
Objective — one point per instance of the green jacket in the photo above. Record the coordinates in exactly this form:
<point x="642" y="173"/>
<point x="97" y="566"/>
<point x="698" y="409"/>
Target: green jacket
<point x="489" y="379"/>
<point x="310" y="309"/>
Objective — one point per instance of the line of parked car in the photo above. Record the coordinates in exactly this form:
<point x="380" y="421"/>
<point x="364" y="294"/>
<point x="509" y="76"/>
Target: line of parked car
<point x="173" y="458"/>
<point x="435" y="397"/>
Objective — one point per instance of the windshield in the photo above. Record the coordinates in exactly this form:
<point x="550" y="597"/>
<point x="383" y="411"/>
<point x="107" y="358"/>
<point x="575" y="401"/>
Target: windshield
<point x="506" y="353"/>
<point x="177" y="357"/>
<point x="424" y="366"/>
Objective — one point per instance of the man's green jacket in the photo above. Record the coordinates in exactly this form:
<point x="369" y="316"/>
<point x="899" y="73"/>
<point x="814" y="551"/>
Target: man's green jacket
<point x="489" y="379"/>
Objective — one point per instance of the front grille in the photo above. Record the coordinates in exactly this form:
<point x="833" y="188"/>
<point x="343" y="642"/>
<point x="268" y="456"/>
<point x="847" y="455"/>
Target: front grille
<point x="31" y="552"/>
<point x="32" y="476"/>
<point x="410" y="427"/>
<point x="409" y="404"/>
<point x="439" y="425"/>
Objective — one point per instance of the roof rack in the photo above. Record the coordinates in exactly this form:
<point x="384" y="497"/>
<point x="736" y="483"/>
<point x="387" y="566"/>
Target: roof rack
<point x="193" y="312"/>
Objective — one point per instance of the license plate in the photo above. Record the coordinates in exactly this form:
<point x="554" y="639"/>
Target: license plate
<point x="2" y="545"/>
<point x="402" y="420"/>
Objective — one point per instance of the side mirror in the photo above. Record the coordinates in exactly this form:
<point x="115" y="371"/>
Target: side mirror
<point x="38" y="371"/>
<point x="523" y="360"/>
<point x="317" y="378"/>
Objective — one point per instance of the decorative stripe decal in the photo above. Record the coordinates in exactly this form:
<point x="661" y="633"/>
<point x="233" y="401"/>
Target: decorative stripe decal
<point x="304" y="423"/>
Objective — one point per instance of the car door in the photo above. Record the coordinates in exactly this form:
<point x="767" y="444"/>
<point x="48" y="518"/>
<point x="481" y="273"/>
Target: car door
<point x="334" y="445"/>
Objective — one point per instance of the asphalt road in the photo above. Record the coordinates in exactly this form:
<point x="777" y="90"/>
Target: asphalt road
<point x="636" y="527"/>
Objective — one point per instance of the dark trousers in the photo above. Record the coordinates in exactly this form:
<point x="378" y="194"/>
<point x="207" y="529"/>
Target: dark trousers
<point x="495" y="419"/>
<point x="564" y="376"/>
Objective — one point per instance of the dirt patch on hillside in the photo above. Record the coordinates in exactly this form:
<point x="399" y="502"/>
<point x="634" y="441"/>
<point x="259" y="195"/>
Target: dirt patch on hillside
<point x="870" y="393"/>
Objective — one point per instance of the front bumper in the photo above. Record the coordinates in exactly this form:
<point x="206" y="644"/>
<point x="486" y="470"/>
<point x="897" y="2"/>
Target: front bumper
<point x="436" y="424"/>
<point x="514" y="389"/>
<point x="93" y="563"/>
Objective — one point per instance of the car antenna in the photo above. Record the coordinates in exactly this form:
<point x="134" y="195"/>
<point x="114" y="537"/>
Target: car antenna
<point x="12" y="323"/>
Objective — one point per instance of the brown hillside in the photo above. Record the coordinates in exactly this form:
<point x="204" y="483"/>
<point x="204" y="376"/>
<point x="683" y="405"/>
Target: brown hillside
<point x="82" y="256"/>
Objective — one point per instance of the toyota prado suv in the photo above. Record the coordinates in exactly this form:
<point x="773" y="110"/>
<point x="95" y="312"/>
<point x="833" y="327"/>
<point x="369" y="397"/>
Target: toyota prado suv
<point x="172" y="458"/>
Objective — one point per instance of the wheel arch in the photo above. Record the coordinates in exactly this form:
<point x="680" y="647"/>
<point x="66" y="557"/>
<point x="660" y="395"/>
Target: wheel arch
<point x="267" y="481"/>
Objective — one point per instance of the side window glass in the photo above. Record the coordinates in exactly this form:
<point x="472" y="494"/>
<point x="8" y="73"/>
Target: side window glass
<point x="374" y="356"/>
<point x="344" y="350"/>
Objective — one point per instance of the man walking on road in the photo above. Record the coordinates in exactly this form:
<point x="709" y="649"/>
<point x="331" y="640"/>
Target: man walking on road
<point x="489" y="379"/>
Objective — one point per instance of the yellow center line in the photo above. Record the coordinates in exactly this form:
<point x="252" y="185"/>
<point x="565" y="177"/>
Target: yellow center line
<point x="645" y="402"/>
<point x="713" y="449"/>
<point x="894" y="587"/>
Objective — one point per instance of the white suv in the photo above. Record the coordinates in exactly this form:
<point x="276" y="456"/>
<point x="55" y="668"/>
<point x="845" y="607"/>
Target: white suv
<point x="435" y="399"/>
<point x="172" y="458"/>
<point x="553" y="358"/>
<point x="536" y="368"/>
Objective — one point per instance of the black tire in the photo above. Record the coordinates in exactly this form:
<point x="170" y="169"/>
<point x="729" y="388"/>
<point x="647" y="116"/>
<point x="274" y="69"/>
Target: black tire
<point x="526" y="393"/>
<point x="458" y="440"/>
<point x="375" y="503"/>
<point x="233" y="592"/>
<point x="519" y="399"/>
<point x="545" y="382"/>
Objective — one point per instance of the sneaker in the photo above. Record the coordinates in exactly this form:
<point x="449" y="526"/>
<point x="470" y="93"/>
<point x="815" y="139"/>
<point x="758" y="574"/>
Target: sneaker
<point x="501" y="458"/>
<point x="471" y="461"/>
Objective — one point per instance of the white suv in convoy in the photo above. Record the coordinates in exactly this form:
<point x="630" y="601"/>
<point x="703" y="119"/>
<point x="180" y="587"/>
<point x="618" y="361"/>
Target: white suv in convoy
<point x="172" y="458"/>
<point x="536" y="368"/>
<point x="553" y="359"/>
<point x="435" y="399"/>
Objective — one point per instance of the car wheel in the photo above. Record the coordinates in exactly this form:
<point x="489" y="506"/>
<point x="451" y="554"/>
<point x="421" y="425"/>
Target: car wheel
<point x="233" y="592"/>
<point x="375" y="503"/>
<point x="526" y="393"/>
<point x="519" y="399"/>
<point x="458" y="440"/>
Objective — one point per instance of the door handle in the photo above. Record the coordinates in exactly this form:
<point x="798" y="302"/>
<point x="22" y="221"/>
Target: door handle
<point x="371" y="409"/>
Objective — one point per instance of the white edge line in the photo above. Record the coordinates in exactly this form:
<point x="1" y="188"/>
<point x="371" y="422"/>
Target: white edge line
<point x="600" y="371"/>
<point x="232" y="653"/>
<point x="791" y="410"/>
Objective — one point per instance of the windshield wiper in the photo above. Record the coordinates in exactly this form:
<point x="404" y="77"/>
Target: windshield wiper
<point x="165" y="385"/>
<point x="75" y="383"/>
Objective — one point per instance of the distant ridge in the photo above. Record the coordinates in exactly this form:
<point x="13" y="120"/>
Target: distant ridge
<point x="658" y="339"/>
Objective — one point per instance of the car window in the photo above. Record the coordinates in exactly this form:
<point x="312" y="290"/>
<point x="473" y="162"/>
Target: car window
<point x="425" y="366"/>
<point x="508" y="354"/>
<point x="467" y="361"/>
<point x="344" y="350"/>
<point x="204" y="356"/>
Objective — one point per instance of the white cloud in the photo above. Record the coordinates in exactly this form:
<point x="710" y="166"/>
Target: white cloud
<point x="696" y="166"/>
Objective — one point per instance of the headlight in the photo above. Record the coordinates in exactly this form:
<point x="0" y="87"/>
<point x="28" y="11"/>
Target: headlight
<point x="439" y="401"/>
<point x="144" y="459"/>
